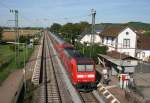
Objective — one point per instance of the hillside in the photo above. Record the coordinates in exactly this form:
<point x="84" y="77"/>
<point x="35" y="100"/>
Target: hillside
<point x="136" y="25"/>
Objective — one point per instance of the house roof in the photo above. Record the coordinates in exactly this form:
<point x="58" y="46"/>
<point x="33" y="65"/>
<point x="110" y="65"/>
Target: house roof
<point x="117" y="55"/>
<point x="87" y="31"/>
<point x="87" y="38"/>
<point x="116" y="61"/>
<point x="143" y="42"/>
<point x="112" y="31"/>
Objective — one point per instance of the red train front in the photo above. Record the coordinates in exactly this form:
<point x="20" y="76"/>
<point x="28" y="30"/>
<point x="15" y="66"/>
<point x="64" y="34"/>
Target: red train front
<point x="81" y="70"/>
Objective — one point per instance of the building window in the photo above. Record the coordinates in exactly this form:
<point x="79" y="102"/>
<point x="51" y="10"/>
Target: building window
<point x="102" y="40"/>
<point x="143" y="54"/>
<point x="127" y="33"/>
<point x="138" y="54"/>
<point x="126" y="53"/>
<point x="106" y="40"/>
<point x="126" y="43"/>
<point x="112" y="39"/>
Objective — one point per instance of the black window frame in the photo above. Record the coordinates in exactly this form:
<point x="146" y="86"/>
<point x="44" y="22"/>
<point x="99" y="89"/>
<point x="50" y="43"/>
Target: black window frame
<point x="85" y="70"/>
<point x="126" y="43"/>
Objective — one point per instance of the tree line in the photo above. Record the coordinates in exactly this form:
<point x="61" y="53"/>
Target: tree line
<point x="1" y="33"/>
<point x="70" y="31"/>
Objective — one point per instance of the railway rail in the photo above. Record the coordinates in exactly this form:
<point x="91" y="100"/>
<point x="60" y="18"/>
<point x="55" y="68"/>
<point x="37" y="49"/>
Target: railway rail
<point x="88" y="97"/>
<point x="59" y="77"/>
<point x="49" y="89"/>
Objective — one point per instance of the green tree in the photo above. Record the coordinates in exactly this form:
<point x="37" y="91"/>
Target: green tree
<point x="67" y="31"/>
<point x="55" y="28"/>
<point x="84" y="25"/>
<point x="24" y="39"/>
<point x="147" y="33"/>
<point x="1" y="33"/>
<point x="71" y="31"/>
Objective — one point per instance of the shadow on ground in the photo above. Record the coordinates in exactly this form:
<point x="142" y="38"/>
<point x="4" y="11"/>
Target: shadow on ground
<point x="98" y="77"/>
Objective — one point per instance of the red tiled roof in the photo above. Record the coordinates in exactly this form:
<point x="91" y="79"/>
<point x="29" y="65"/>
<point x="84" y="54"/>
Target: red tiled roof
<point x="143" y="42"/>
<point x="112" y="31"/>
<point x="117" y="55"/>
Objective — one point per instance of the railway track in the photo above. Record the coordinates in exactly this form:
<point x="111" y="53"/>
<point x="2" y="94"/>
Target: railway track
<point x="88" y="97"/>
<point x="49" y="87"/>
<point x="52" y="89"/>
<point x="63" y="90"/>
<point x="52" y="85"/>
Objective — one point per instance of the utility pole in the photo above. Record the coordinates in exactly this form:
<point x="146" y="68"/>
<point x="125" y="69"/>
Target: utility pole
<point x="93" y="12"/>
<point x="16" y="36"/>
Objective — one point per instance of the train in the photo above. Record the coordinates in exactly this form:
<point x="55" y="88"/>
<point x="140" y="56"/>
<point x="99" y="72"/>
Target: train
<point x="81" y="70"/>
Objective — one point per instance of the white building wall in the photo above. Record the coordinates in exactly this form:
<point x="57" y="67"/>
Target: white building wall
<point x="132" y="36"/>
<point x="110" y="42"/>
<point x="87" y="39"/>
<point x="118" y="44"/>
<point x="143" y="54"/>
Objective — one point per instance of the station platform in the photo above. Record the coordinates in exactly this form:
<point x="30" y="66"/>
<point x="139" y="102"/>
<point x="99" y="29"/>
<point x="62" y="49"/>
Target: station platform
<point x="113" y="87"/>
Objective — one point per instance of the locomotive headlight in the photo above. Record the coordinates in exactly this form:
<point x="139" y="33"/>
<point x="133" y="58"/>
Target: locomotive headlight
<point x="91" y="76"/>
<point x="80" y="76"/>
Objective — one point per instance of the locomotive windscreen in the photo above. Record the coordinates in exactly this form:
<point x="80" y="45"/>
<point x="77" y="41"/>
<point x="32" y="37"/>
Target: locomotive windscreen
<point x="85" y="68"/>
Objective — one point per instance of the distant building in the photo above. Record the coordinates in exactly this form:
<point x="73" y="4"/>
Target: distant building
<point x="86" y="37"/>
<point x="143" y="47"/>
<point x="121" y="39"/>
<point x="126" y="40"/>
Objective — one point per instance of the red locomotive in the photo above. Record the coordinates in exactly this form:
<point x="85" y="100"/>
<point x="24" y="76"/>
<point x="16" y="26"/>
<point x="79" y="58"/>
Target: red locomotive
<point x="81" y="70"/>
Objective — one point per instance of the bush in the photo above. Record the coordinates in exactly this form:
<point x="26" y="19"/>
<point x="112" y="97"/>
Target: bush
<point x="5" y="63"/>
<point x="147" y="33"/>
<point x="24" y="39"/>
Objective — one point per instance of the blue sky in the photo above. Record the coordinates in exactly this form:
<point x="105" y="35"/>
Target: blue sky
<point x="45" y="12"/>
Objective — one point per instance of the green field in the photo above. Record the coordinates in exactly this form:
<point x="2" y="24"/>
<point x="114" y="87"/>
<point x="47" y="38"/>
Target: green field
<point x="7" y="59"/>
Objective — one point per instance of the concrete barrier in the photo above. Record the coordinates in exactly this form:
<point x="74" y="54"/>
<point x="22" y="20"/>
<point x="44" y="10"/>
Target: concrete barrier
<point x="107" y="95"/>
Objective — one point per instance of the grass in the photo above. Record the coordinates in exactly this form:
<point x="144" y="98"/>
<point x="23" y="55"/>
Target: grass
<point x="7" y="57"/>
